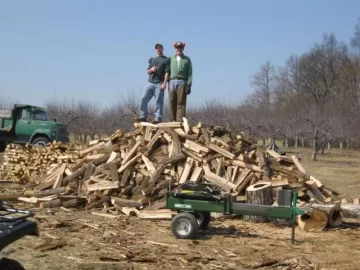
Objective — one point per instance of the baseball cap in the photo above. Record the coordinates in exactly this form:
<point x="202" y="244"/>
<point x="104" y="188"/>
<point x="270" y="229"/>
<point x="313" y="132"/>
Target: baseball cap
<point x="179" y="44"/>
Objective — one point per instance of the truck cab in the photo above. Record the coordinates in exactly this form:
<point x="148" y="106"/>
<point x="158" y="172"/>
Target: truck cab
<point x="30" y="124"/>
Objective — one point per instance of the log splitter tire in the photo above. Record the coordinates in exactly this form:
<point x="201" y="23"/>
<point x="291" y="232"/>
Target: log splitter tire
<point x="184" y="226"/>
<point x="203" y="219"/>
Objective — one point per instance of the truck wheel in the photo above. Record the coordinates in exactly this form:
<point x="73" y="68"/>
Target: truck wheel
<point x="184" y="226"/>
<point x="8" y="264"/>
<point x="41" y="141"/>
<point x="203" y="219"/>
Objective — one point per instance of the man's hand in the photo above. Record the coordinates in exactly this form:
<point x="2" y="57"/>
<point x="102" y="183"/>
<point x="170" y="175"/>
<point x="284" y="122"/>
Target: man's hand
<point x="154" y="69"/>
<point x="163" y="86"/>
<point x="188" y="89"/>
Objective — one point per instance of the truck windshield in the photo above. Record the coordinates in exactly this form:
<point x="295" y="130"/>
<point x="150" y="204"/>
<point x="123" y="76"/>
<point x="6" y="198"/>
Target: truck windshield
<point x="40" y="115"/>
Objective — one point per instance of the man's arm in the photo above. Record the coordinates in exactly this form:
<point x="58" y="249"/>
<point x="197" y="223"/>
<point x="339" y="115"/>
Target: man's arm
<point x="167" y="69"/>
<point x="163" y="86"/>
<point x="150" y="69"/>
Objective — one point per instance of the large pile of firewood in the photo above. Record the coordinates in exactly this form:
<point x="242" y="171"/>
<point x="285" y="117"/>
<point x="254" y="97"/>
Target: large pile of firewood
<point x="135" y="169"/>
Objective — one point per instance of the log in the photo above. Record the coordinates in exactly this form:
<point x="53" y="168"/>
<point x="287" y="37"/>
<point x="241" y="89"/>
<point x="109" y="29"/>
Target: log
<point x="98" y="203"/>
<point x="316" y="191"/>
<point x="333" y="211"/>
<point x="9" y="197"/>
<point x="348" y="210"/>
<point x="119" y="203"/>
<point x="52" y="191"/>
<point x="88" y="172"/>
<point x="260" y="193"/>
<point x="313" y="222"/>
<point x="73" y="203"/>
<point x="92" y="148"/>
<point x="157" y="214"/>
<point x="60" y="176"/>
<point x="221" y="151"/>
<point x="185" y="174"/>
<point x="51" y="204"/>
<point x="79" y="172"/>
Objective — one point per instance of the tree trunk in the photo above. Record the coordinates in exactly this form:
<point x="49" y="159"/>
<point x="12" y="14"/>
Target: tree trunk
<point x="315" y="145"/>
<point x="348" y="145"/>
<point x="296" y="142"/>
<point x="264" y="142"/>
<point x="286" y="143"/>
<point x="341" y="145"/>
<point x="302" y="142"/>
<point x="260" y="193"/>
<point x="329" y="146"/>
<point x="323" y="148"/>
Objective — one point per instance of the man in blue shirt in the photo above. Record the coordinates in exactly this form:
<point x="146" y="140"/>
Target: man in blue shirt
<point x="155" y="87"/>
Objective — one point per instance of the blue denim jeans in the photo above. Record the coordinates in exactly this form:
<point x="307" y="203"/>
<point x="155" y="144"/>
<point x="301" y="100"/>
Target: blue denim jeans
<point x="152" y="90"/>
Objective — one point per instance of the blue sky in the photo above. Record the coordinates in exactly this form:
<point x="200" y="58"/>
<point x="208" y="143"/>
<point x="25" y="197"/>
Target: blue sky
<point x="98" y="50"/>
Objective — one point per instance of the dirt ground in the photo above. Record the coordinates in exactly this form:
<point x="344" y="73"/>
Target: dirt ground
<point x="86" y="241"/>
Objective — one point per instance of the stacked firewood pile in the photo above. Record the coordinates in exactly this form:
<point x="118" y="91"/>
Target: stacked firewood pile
<point x="23" y="164"/>
<point x="135" y="169"/>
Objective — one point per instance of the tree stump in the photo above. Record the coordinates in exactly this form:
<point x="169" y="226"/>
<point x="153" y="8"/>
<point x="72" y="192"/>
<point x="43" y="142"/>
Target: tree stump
<point x="259" y="193"/>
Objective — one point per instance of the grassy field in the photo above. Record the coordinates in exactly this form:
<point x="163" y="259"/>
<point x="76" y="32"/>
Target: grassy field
<point x="339" y="169"/>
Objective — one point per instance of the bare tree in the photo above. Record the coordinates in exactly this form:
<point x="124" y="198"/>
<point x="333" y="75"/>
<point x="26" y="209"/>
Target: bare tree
<point x="263" y="82"/>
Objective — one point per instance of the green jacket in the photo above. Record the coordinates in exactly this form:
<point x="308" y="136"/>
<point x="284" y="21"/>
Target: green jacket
<point x="183" y="71"/>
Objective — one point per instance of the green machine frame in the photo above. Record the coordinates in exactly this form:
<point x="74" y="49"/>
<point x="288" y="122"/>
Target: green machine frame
<point x="194" y="214"/>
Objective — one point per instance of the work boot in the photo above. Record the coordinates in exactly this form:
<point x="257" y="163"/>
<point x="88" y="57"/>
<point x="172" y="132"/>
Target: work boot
<point x="140" y="119"/>
<point x="155" y="121"/>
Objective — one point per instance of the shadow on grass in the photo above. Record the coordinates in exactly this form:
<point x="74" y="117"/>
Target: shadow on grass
<point x="208" y="233"/>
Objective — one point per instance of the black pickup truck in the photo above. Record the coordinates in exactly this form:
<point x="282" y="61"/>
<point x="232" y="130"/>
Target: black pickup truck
<point x="14" y="224"/>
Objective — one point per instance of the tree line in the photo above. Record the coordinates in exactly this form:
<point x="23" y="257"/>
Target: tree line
<point x="312" y="100"/>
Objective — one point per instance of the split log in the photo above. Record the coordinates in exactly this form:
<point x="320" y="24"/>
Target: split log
<point x="157" y="214"/>
<point x="119" y="203"/>
<point x="242" y="164"/>
<point x="260" y="193"/>
<point x="316" y="191"/>
<point x="221" y="151"/>
<point x="186" y="172"/>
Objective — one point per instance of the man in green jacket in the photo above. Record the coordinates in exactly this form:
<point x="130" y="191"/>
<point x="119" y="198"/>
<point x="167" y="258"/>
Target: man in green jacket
<point x="179" y="71"/>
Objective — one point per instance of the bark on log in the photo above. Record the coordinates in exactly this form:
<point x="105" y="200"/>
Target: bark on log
<point x="52" y="191"/>
<point x="73" y="203"/>
<point x="260" y="193"/>
<point x="79" y="172"/>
